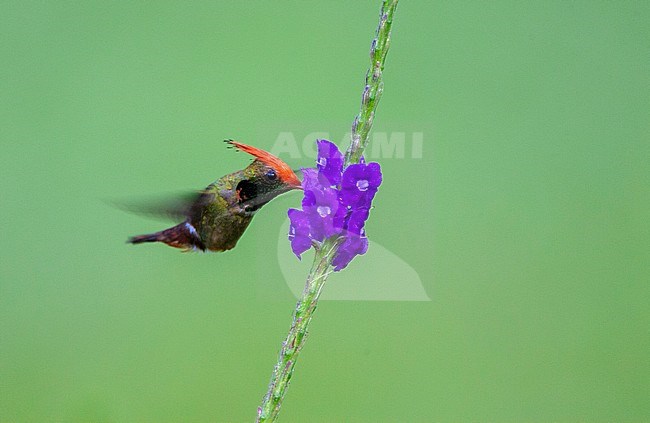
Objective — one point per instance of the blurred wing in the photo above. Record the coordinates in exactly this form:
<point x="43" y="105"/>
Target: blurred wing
<point x="175" y="207"/>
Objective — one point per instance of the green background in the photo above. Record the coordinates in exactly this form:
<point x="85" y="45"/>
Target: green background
<point x="526" y="216"/>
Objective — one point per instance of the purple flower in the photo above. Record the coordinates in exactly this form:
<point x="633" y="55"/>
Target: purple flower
<point x="359" y="184"/>
<point x="336" y="203"/>
<point x="324" y="212"/>
<point x="356" y="220"/>
<point x="352" y="246"/>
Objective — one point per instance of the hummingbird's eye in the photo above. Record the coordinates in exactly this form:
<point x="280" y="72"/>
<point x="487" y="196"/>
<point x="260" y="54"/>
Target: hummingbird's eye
<point x="271" y="175"/>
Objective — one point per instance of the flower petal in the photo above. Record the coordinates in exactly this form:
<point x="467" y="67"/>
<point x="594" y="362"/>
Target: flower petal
<point x="322" y="207"/>
<point x="350" y="248"/>
<point x="373" y="171"/>
<point x="299" y="232"/>
<point x="356" y="221"/>
<point x="329" y="162"/>
<point x="310" y="178"/>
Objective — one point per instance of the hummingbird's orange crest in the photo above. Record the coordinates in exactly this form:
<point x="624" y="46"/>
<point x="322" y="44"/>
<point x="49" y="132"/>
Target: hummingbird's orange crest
<point x="283" y="170"/>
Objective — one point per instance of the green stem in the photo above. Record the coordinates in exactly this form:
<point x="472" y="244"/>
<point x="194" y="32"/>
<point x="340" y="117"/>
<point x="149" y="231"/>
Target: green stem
<point x="321" y="266"/>
<point x="295" y="340"/>
<point x="374" y="85"/>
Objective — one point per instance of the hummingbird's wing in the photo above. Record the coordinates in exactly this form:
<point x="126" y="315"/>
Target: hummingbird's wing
<point x="179" y="206"/>
<point x="169" y="207"/>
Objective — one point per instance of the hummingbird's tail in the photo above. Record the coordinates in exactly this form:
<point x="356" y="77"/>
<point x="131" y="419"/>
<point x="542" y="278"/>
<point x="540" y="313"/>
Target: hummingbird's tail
<point x="139" y="239"/>
<point x="183" y="235"/>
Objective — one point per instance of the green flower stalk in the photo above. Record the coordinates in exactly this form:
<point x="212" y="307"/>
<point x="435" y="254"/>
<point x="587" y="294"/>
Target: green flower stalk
<point x="350" y="241"/>
<point x="374" y="84"/>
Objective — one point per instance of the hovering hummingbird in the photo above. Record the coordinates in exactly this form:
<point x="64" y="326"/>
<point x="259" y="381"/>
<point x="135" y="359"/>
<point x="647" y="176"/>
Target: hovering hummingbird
<point x="217" y="217"/>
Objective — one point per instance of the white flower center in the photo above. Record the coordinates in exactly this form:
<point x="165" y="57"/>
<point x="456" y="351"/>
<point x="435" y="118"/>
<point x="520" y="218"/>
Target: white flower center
<point x="323" y="210"/>
<point x="362" y="185"/>
<point x="322" y="161"/>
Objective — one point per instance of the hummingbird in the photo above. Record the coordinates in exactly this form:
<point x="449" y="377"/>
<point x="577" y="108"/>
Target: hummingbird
<point x="216" y="217"/>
